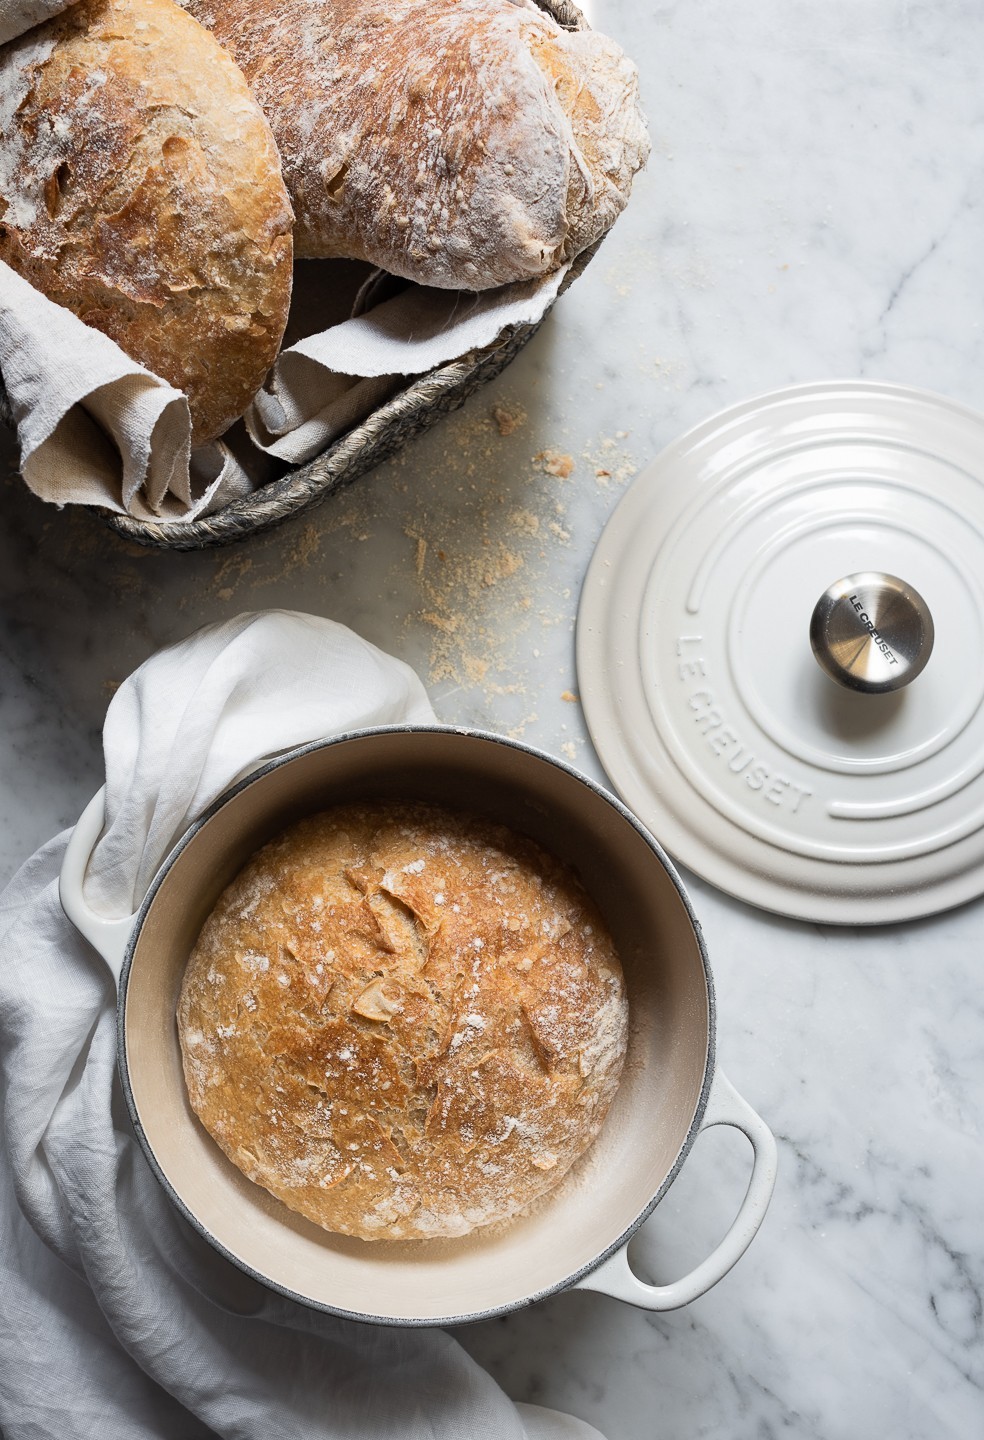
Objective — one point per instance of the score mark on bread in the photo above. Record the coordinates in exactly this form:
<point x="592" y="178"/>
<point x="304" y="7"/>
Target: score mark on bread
<point x="403" y="1022"/>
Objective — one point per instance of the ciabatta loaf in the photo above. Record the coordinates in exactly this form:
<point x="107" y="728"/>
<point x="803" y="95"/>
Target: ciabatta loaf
<point x="140" y="186"/>
<point x="459" y="143"/>
<point x="403" y="1022"/>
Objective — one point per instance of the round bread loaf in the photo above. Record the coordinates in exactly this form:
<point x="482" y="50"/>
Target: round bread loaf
<point x="459" y="143"/>
<point x="140" y="187"/>
<point x="403" y="1022"/>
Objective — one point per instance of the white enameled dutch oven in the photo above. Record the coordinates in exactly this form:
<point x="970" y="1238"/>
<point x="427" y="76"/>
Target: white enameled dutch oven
<point x="669" y="1093"/>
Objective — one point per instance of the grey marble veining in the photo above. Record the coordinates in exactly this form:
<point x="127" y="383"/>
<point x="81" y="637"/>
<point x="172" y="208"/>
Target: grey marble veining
<point x="814" y="208"/>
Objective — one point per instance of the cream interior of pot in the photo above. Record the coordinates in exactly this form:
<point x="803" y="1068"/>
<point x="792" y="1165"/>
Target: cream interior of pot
<point x="649" y="1123"/>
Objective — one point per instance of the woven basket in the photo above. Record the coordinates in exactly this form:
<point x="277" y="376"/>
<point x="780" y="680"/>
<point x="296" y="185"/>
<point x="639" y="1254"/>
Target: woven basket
<point x="398" y="420"/>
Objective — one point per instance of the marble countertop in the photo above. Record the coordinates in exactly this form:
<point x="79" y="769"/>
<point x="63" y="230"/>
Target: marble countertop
<point x="813" y="209"/>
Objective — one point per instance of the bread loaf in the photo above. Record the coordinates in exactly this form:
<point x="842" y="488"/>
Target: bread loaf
<point x="140" y="186"/>
<point x="459" y="143"/>
<point x="403" y="1022"/>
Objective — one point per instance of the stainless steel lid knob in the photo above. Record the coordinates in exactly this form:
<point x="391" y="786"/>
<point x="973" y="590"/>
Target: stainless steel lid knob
<point x="872" y="632"/>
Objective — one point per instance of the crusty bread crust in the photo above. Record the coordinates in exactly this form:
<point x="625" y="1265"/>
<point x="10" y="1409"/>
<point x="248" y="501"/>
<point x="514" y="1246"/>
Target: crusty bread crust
<point x="403" y="1022"/>
<point x="459" y="143"/>
<point x="140" y="187"/>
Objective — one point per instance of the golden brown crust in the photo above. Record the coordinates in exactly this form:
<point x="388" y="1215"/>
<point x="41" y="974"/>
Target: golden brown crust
<point x="455" y="142"/>
<point x="140" y="187"/>
<point x="403" y="1022"/>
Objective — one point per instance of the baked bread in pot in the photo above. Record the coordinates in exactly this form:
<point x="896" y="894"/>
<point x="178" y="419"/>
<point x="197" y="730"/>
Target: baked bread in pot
<point x="403" y="1021"/>
<point x="653" y="1120"/>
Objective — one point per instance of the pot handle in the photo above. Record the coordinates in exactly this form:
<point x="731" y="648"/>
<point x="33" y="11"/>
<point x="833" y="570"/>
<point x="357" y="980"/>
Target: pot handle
<point x="108" y="936"/>
<point x="615" y="1277"/>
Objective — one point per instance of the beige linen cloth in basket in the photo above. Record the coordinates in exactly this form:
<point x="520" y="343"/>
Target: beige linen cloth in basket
<point x="96" y="428"/>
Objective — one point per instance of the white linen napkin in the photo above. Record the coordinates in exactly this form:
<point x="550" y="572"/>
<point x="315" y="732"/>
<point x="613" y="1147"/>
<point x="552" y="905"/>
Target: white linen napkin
<point x="118" y="1321"/>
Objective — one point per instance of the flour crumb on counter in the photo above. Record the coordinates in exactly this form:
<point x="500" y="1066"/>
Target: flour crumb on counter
<point x="420" y="558"/>
<point x="554" y="462"/>
<point x="610" y="462"/>
<point x="516" y="732"/>
<point x="304" y="549"/>
<point x="524" y="522"/>
<point x="230" y="572"/>
<point x="508" y="418"/>
<point x="468" y="570"/>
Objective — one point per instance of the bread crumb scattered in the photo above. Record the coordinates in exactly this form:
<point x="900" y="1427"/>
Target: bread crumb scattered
<point x="525" y="522"/>
<point x="230" y="572"/>
<point x="610" y="464"/>
<point x="508" y="418"/>
<point x="447" y="623"/>
<point x="481" y="582"/>
<point x="516" y="733"/>
<point x="421" y="555"/>
<point x="553" y="462"/>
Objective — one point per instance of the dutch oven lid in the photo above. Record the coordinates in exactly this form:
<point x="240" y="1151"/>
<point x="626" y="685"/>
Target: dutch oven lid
<point x="780" y="651"/>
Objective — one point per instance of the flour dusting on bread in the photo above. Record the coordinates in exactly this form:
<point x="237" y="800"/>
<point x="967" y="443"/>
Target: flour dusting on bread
<point x="403" y="1022"/>
<point x="459" y="143"/>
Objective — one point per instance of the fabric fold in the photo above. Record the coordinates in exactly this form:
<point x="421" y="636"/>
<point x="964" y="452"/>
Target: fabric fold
<point x="96" y="428"/>
<point x="322" y="385"/>
<point x="19" y="16"/>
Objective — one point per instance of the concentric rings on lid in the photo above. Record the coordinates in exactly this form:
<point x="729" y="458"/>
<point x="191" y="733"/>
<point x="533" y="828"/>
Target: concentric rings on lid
<point x="701" y="692"/>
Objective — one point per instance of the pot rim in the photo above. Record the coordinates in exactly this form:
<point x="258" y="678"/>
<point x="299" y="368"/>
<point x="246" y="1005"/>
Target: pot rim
<point x="160" y="878"/>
